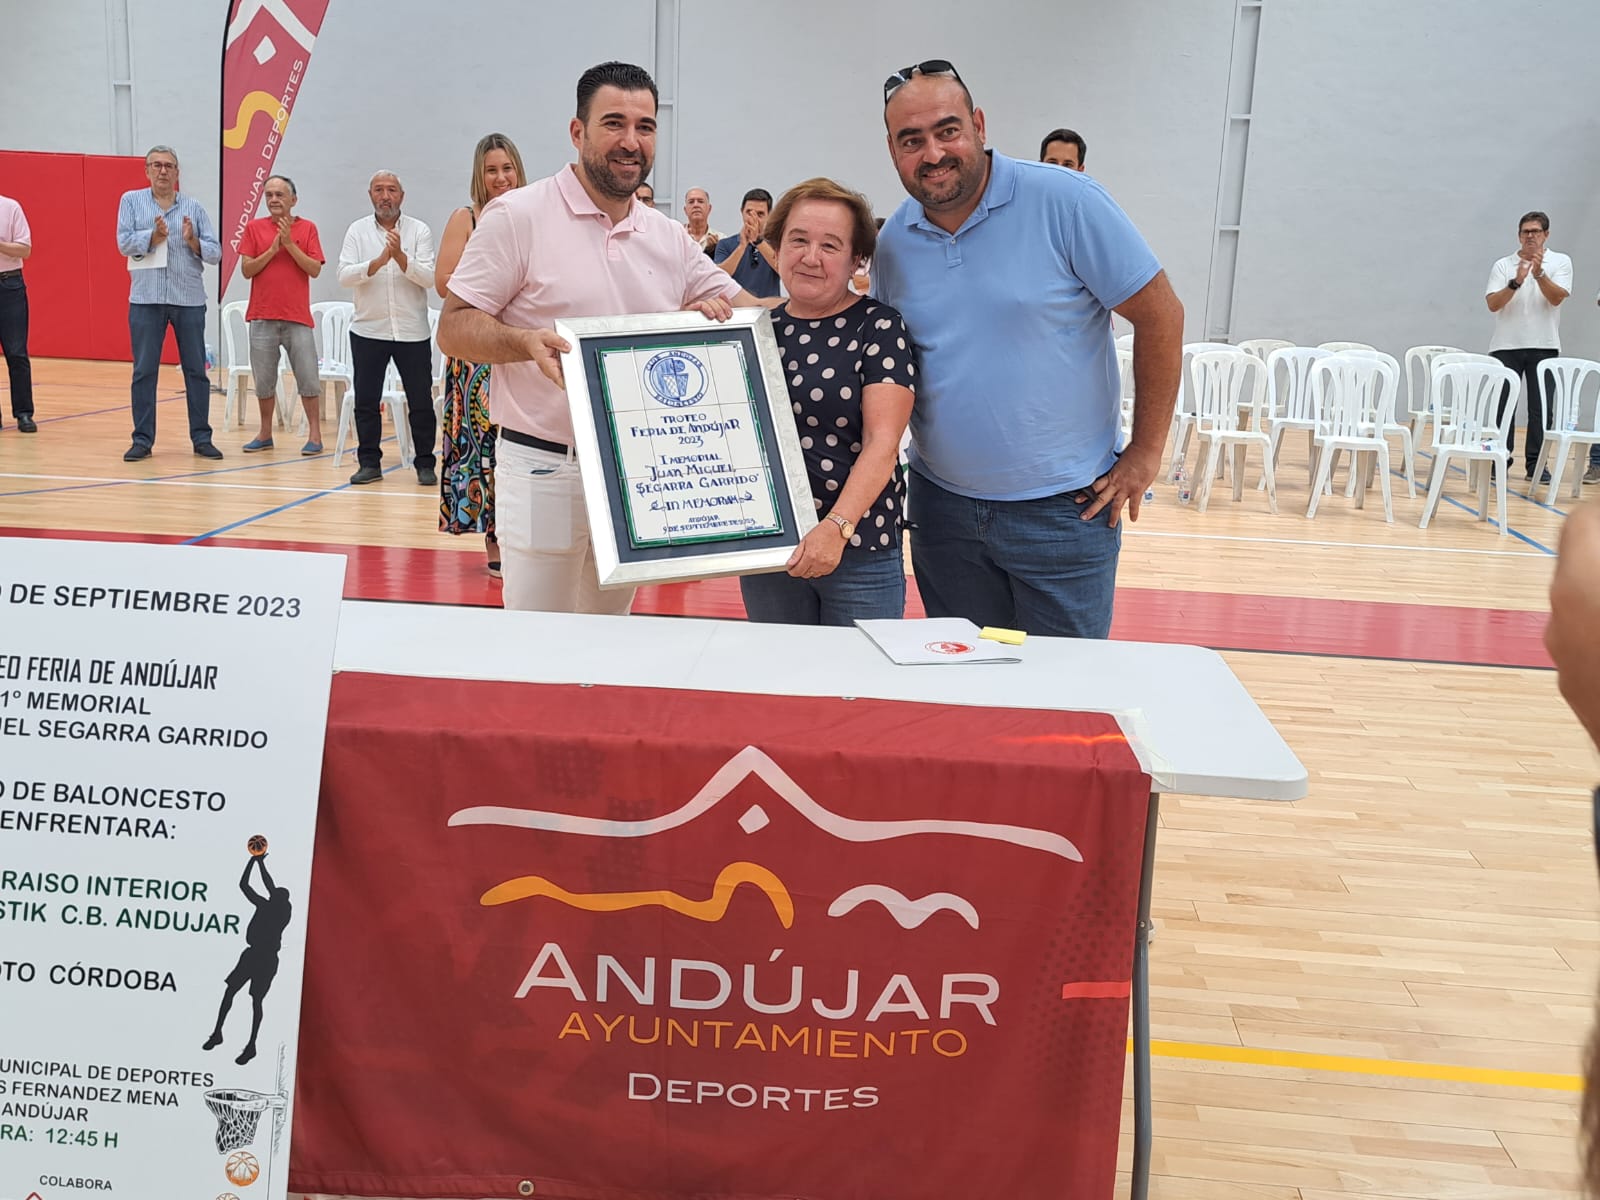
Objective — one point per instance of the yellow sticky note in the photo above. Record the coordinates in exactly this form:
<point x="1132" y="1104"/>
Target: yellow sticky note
<point x="1011" y="637"/>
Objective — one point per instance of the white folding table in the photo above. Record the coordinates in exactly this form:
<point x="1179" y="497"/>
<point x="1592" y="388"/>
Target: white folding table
<point x="1186" y="715"/>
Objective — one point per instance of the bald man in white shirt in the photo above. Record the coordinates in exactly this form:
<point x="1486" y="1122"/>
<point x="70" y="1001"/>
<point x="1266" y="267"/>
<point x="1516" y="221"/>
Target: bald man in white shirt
<point x="387" y="259"/>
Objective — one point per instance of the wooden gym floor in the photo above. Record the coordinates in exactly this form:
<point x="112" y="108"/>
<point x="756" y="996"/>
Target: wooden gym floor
<point x="1380" y="991"/>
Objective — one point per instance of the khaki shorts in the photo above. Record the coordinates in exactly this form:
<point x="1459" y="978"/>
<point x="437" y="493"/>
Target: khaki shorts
<point x="266" y="339"/>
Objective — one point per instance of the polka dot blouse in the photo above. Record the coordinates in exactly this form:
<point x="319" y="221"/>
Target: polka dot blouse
<point x="827" y="362"/>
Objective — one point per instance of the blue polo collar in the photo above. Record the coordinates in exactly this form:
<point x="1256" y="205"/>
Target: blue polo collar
<point x="1002" y="186"/>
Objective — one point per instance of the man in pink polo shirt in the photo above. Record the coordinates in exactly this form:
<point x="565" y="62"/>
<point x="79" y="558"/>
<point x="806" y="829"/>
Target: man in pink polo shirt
<point x="576" y="244"/>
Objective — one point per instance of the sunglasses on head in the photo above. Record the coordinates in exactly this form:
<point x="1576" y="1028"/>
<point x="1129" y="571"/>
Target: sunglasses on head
<point x="933" y="66"/>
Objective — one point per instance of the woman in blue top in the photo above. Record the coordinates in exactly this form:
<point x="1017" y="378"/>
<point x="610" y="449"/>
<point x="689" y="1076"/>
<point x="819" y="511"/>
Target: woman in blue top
<point x="848" y="360"/>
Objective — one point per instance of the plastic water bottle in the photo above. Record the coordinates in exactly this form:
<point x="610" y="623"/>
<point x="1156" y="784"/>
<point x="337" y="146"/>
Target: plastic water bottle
<point x="1149" y="495"/>
<point x="1185" y="492"/>
<point x="1572" y="422"/>
<point x="211" y="358"/>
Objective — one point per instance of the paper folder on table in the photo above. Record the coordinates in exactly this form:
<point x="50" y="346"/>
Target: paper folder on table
<point x="935" y="641"/>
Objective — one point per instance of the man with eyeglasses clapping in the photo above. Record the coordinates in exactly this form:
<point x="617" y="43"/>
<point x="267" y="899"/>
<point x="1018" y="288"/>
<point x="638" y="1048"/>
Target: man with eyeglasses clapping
<point x="1525" y="292"/>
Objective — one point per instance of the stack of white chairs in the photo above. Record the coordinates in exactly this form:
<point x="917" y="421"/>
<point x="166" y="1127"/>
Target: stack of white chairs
<point x="236" y="407"/>
<point x="1469" y="426"/>
<point x="1263" y="347"/>
<point x="1340" y="347"/>
<point x="438" y="366"/>
<point x="1125" y="374"/>
<point x="1355" y="395"/>
<point x="1570" y="418"/>
<point x="1419" y="386"/>
<point x="1230" y="389"/>
<point x="236" y="361"/>
<point x="330" y="321"/>
<point x="1385" y="420"/>
<point x="1291" y="402"/>
<point x="1431" y="397"/>
<point x="1183" y="415"/>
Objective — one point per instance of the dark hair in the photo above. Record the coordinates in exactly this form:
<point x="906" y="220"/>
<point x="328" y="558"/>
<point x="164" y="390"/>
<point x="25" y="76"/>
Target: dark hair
<point x="614" y="74"/>
<point x="1065" y="135"/>
<point x="293" y="191"/>
<point x="1535" y="215"/>
<point x="863" y="230"/>
<point x="760" y="194"/>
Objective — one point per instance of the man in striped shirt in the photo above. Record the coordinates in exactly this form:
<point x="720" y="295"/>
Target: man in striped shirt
<point x="150" y="222"/>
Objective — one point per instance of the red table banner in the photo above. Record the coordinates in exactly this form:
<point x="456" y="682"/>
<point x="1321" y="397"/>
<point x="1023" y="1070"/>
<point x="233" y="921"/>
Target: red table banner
<point x="637" y="944"/>
<point x="265" y="52"/>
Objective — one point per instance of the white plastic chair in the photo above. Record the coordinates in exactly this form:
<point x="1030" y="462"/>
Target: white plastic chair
<point x="1419" y="386"/>
<point x="1350" y="389"/>
<point x="331" y="323"/>
<point x="1230" y="391"/>
<point x="392" y="399"/>
<point x="1338" y="347"/>
<point x="236" y="361"/>
<point x="1291" y="404"/>
<point x="1183" y="415"/>
<point x="1562" y="381"/>
<point x="1469" y="426"/>
<point x="240" y="390"/>
<point x="1125" y="374"/>
<point x="1387" y="424"/>
<point x="438" y="367"/>
<point x="1125" y="341"/>
<point x="1262" y="347"/>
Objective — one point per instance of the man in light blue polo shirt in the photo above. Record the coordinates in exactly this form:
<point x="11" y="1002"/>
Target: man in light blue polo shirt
<point x="1006" y="273"/>
<point x="161" y="220"/>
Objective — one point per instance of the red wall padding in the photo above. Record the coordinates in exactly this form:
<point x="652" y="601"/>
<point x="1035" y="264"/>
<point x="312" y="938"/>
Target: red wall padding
<point x="77" y="282"/>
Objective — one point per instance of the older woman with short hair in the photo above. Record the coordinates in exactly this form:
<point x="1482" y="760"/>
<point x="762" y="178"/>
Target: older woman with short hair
<point x="849" y="363"/>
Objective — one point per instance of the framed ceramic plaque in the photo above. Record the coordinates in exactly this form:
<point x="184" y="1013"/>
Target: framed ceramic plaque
<point x="683" y="430"/>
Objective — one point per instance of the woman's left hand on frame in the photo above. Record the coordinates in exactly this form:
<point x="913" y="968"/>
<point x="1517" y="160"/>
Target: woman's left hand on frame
<point x="818" y="553"/>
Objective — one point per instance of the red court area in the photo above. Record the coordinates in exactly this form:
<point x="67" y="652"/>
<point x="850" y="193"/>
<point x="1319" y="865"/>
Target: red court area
<point x="1221" y="620"/>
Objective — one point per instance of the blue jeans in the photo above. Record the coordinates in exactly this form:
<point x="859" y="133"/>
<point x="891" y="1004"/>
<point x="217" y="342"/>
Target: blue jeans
<point x="1033" y="565"/>
<point x="147" y="328"/>
<point x="866" y="585"/>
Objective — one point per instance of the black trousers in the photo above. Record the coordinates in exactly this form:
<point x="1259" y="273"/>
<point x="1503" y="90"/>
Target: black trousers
<point x="1526" y="363"/>
<point x="14" y="343"/>
<point x="370" y="358"/>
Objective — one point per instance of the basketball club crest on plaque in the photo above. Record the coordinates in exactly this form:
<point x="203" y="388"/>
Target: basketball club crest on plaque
<point x="676" y="378"/>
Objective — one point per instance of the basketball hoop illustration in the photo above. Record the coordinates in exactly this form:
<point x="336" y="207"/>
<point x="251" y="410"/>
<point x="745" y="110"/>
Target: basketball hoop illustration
<point x="238" y="1112"/>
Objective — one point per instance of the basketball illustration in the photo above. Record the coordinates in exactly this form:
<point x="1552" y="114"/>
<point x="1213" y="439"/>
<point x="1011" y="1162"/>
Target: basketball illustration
<point x="257" y="845"/>
<point x="242" y="1168"/>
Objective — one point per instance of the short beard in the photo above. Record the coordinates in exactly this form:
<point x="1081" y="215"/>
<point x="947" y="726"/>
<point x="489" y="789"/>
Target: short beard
<point x="963" y="188"/>
<point x="598" y="169"/>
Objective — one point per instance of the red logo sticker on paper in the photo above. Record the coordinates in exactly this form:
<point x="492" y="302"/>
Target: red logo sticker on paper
<point x="951" y="648"/>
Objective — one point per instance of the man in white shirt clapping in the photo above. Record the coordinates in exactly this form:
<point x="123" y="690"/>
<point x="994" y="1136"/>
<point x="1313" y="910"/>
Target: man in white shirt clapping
<point x="1524" y="293"/>
<point x="388" y="259"/>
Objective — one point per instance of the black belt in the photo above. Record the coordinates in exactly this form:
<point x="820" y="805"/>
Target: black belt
<point x="17" y="274"/>
<point x="538" y="443"/>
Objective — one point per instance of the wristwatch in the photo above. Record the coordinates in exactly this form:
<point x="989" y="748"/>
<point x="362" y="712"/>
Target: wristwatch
<point x="847" y="529"/>
<point x="1513" y="284"/>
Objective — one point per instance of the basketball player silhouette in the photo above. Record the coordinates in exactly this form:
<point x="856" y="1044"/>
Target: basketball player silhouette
<point x="258" y="964"/>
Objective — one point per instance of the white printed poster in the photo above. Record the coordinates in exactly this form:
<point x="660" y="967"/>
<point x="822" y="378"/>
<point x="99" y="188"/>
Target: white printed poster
<point x="162" y="714"/>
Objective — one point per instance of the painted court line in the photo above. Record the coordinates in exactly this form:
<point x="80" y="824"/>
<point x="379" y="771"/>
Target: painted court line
<point x="1389" y="1068"/>
<point x="1133" y="531"/>
<point x="272" y="512"/>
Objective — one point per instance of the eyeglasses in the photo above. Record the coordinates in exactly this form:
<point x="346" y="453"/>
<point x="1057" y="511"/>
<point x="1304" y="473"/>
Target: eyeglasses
<point x="160" y="166"/>
<point x="933" y="66"/>
<point x="1529" y="232"/>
